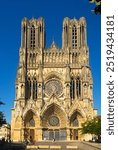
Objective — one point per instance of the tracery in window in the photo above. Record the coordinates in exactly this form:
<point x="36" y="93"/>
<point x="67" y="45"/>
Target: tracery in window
<point x="53" y="86"/>
<point x="32" y="41"/>
<point x="74" y="37"/>
<point x="31" y="122"/>
<point x="72" y="89"/>
<point x="75" y="88"/>
<point x="74" y="58"/>
<point x="74" y="120"/>
<point x="32" y="59"/>
<point x="78" y="87"/>
<point x="30" y="119"/>
<point x="29" y="88"/>
<point x="82" y="34"/>
<point x="34" y="88"/>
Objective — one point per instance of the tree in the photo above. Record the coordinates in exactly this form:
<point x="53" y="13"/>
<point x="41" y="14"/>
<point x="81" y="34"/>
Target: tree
<point x="1" y="103"/>
<point x="92" y="127"/>
<point x="2" y="119"/>
<point x="97" y="9"/>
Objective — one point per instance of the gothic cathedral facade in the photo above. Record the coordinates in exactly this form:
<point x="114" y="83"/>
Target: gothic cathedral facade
<point x="53" y="85"/>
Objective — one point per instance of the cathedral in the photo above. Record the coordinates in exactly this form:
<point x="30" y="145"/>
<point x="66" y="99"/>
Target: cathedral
<point x="53" y="85"/>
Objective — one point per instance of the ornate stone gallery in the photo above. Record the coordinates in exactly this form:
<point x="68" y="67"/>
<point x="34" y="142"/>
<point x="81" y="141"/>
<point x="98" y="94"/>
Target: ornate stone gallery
<point x="53" y="85"/>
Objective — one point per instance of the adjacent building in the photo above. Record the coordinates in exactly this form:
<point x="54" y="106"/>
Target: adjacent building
<point x="54" y="86"/>
<point x="5" y="132"/>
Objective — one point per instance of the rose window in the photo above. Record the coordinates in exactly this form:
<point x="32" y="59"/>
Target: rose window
<point x="53" y="87"/>
<point x="53" y="121"/>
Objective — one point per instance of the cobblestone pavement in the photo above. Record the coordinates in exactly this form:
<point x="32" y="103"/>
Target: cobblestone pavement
<point x="72" y="145"/>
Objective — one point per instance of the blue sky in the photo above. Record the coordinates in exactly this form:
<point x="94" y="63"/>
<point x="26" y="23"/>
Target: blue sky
<point x="53" y="11"/>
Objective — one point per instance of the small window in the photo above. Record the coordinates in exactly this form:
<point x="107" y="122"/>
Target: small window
<point x="72" y="89"/>
<point x="32" y="43"/>
<point x="74" y="37"/>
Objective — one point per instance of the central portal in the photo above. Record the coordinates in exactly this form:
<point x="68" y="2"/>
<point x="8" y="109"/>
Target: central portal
<point x="54" y="123"/>
<point x="54" y="134"/>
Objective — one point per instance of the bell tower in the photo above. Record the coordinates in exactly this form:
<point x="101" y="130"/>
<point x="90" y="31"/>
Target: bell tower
<point x="74" y="40"/>
<point x="74" y="33"/>
<point x="30" y="56"/>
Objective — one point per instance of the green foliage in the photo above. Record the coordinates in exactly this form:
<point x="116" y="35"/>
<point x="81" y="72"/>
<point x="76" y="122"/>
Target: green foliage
<point x="2" y="119"/>
<point x="97" y="9"/>
<point x="92" y="126"/>
<point x="1" y="103"/>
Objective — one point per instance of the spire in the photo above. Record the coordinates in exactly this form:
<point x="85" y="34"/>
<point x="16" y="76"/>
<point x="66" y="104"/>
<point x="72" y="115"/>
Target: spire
<point x="53" y="45"/>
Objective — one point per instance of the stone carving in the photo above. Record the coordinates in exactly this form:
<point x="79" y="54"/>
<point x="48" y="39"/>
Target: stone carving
<point x="53" y="87"/>
<point x="52" y="83"/>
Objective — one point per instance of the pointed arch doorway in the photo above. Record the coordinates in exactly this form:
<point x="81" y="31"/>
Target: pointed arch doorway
<point x="54" y="123"/>
<point x="29" y="126"/>
<point x="74" y="123"/>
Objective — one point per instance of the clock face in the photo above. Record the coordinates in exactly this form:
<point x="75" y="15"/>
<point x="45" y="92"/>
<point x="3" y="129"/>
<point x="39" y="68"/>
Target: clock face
<point x="54" y="121"/>
<point x="53" y="86"/>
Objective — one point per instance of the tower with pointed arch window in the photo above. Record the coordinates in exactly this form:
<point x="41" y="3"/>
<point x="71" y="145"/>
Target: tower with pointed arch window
<point x="54" y="85"/>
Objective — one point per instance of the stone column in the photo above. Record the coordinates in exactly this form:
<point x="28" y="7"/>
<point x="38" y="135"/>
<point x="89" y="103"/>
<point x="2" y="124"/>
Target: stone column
<point x="22" y="130"/>
<point x="68" y="134"/>
<point x="40" y="135"/>
<point x="75" y="92"/>
<point x="79" y="136"/>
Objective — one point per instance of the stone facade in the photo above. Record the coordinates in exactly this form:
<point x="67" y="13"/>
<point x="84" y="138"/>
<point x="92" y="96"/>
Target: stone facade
<point x="5" y="132"/>
<point x="53" y="85"/>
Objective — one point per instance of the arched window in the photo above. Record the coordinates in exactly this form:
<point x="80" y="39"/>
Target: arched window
<point x="32" y="42"/>
<point x="66" y="28"/>
<point x="74" y="37"/>
<point x="29" y="119"/>
<point x="31" y="122"/>
<point x="29" y="88"/>
<point x="34" y="88"/>
<point x="74" y="120"/>
<point x="30" y="59"/>
<point x="74" y="58"/>
<point x="82" y="34"/>
<point x="40" y="28"/>
<point x="72" y="88"/>
<point x="78" y="87"/>
<point x="24" y="34"/>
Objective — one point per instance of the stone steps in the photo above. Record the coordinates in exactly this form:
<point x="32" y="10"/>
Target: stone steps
<point x="50" y="147"/>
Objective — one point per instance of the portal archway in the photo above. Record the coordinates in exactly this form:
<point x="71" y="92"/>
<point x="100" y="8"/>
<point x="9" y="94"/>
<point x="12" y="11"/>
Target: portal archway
<point x="30" y="125"/>
<point x="54" y="123"/>
<point x="75" y="121"/>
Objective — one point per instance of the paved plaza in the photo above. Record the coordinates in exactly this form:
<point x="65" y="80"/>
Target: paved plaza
<point x="73" y="145"/>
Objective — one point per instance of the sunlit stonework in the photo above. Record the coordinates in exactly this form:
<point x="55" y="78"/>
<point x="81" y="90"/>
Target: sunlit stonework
<point x="53" y="85"/>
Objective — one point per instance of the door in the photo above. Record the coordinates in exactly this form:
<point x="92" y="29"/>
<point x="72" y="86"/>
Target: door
<point x="54" y="134"/>
<point x="51" y="135"/>
<point x="32" y="135"/>
<point x="75" y="135"/>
